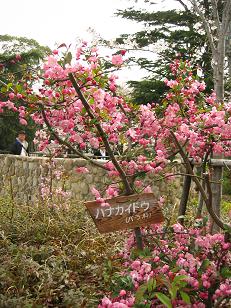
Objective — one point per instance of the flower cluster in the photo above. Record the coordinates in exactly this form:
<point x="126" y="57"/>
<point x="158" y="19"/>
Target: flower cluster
<point x="186" y="267"/>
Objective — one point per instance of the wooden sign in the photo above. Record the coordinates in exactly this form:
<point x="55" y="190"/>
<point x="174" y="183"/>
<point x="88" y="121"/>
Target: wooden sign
<point x="125" y="212"/>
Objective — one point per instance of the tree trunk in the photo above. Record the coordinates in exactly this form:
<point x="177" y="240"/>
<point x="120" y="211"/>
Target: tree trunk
<point x="219" y="62"/>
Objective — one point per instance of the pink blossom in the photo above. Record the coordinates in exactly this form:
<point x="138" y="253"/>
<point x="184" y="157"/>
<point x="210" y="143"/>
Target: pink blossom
<point x="112" y="191"/>
<point x="177" y="227"/>
<point x="136" y="264"/>
<point x="18" y="57"/>
<point x="106" y="302"/>
<point x="95" y="192"/>
<point x="138" y="183"/>
<point x="19" y="95"/>
<point x="22" y="121"/>
<point x="11" y="95"/>
<point x="123" y="292"/>
<point x="82" y="170"/>
<point x="94" y="142"/>
<point x="171" y="83"/>
<point x="161" y="201"/>
<point x="117" y="60"/>
<point x="148" y="189"/>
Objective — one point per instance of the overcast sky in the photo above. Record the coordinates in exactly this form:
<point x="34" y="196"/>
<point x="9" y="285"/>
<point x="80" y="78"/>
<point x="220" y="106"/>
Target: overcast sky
<point x="52" y="22"/>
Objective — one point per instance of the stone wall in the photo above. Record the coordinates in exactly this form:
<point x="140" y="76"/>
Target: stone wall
<point x="22" y="178"/>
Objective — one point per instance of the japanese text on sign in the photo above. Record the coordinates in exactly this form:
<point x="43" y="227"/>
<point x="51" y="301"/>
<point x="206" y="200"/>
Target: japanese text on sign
<point x="131" y="208"/>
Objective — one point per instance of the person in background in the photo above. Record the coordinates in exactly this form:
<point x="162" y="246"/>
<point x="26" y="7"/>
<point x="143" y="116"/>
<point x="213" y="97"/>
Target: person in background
<point x="100" y="153"/>
<point x="20" y="147"/>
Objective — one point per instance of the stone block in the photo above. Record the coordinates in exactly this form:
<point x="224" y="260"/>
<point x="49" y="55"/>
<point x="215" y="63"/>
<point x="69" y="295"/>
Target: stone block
<point x="84" y="188"/>
<point x="14" y="181"/>
<point x="89" y="178"/>
<point x="68" y="165"/>
<point x="75" y="187"/>
<point x="25" y="165"/>
<point x="32" y="166"/>
<point x="8" y="161"/>
<point x="79" y="163"/>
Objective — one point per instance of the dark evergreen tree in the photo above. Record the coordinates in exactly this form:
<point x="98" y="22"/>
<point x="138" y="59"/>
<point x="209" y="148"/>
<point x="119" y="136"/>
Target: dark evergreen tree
<point x="19" y="56"/>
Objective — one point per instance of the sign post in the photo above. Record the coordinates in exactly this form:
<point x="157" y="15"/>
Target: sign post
<point x="126" y="212"/>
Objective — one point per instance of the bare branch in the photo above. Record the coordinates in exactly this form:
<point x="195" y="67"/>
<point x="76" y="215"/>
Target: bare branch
<point x="184" y="5"/>
<point x="189" y="167"/>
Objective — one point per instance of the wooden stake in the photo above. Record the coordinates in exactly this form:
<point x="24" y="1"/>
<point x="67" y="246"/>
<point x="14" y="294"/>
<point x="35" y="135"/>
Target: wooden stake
<point x="139" y="241"/>
<point x="216" y="194"/>
<point x="184" y="197"/>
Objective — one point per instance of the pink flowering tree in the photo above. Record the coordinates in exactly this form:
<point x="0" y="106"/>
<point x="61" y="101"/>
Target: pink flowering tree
<point x="179" y="268"/>
<point x="75" y="102"/>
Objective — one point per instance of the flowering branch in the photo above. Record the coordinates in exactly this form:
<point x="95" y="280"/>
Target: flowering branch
<point x="101" y="132"/>
<point x="68" y="145"/>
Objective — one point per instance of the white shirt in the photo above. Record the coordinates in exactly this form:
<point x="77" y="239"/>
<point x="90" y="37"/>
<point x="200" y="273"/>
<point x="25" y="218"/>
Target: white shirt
<point x="24" y="148"/>
<point x="102" y="152"/>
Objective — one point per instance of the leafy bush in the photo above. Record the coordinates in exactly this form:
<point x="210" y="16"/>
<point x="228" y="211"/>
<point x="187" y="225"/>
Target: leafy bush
<point x="51" y="258"/>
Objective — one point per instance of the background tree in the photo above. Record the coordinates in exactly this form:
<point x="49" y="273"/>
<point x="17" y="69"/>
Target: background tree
<point x="216" y="18"/>
<point x="19" y="56"/>
<point x="169" y="34"/>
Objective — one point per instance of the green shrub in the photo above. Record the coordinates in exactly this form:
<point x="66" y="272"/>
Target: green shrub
<point x="227" y="182"/>
<point x="51" y="258"/>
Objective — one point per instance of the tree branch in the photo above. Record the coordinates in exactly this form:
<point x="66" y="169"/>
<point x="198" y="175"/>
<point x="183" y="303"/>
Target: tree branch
<point x="216" y="15"/>
<point x="103" y="135"/>
<point x="206" y="25"/>
<point x="184" y="5"/>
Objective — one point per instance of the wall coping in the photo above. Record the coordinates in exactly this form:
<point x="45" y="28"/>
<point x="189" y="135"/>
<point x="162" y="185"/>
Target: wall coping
<point x="42" y="158"/>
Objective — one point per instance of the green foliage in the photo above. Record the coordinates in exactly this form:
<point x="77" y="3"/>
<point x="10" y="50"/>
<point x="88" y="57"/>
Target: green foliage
<point x="149" y="290"/>
<point x="119" y="282"/>
<point x="148" y="90"/>
<point x="227" y="182"/>
<point x="29" y="50"/>
<point x="164" y="299"/>
<point x="51" y="258"/>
